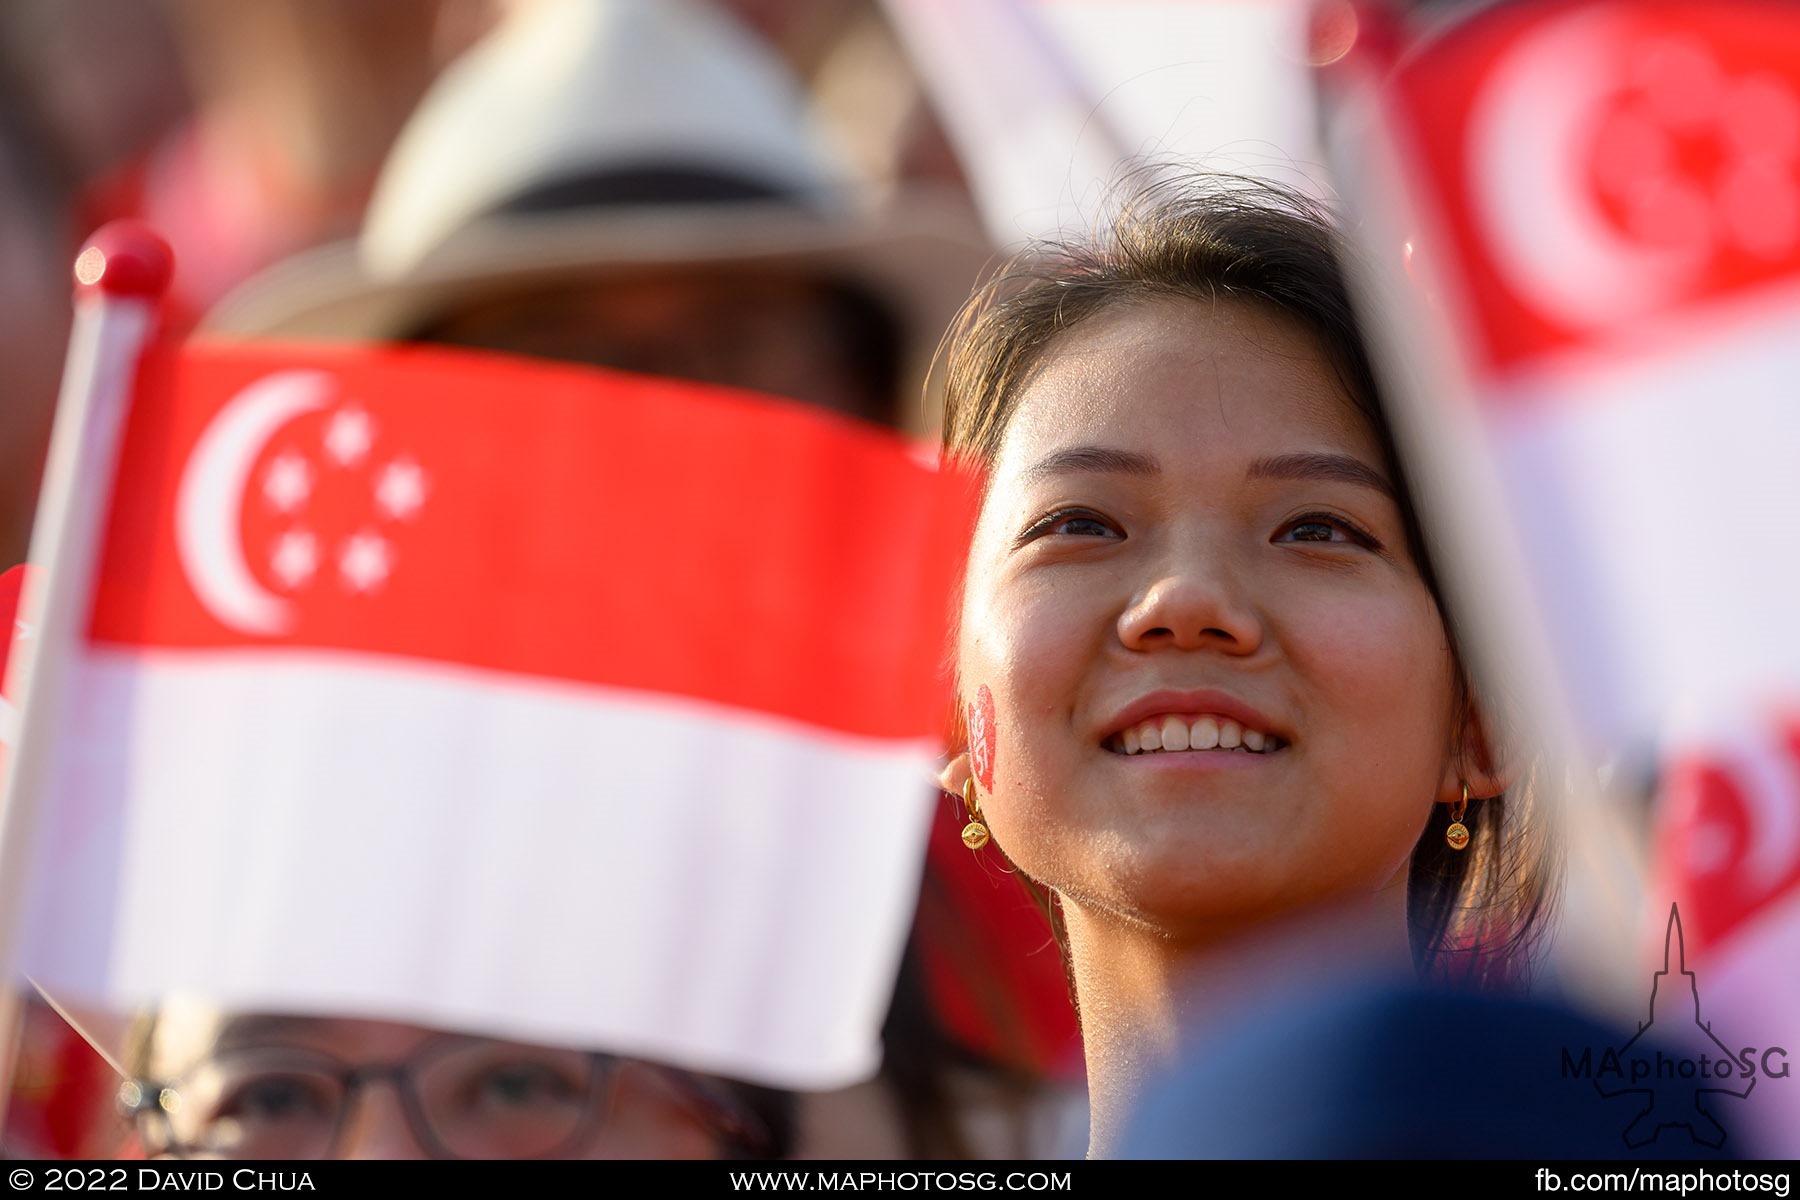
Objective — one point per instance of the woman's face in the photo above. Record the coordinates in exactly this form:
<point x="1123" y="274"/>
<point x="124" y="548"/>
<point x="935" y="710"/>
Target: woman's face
<point x="254" y="1085"/>
<point x="1192" y="539"/>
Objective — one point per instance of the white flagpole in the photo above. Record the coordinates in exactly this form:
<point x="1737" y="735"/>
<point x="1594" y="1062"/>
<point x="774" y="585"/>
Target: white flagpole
<point x="120" y="277"/>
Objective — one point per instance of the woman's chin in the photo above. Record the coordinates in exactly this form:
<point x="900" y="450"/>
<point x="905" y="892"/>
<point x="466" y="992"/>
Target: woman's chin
<point x="1178" y="894"/>
<point x="1188" y="892"/>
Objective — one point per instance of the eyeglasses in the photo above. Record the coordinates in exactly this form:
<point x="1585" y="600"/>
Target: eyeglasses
<point x="463" y="1098"/>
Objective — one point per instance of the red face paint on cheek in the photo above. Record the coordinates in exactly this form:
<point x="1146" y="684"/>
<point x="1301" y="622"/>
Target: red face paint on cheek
<point x="981" y="738"/>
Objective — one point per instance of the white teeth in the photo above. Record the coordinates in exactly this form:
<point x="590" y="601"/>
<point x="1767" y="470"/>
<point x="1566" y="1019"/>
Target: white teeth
<point x="1174" y="734"/>
<point x="1200" y="733"/>
<point x="1205" y="734"/>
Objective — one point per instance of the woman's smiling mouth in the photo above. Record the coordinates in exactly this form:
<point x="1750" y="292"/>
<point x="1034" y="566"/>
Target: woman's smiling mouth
<point x="1172" y="732"/>
<point x="1202" y="721"/>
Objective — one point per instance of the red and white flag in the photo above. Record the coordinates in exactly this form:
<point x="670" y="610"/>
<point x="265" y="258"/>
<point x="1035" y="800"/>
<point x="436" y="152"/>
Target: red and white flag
<point x="1584" y="218"/>
<point x="483" y="692"/>
<point x="1598" y="205"/>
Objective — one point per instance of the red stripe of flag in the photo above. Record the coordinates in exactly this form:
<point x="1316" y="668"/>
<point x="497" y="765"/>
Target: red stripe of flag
<point x="545" y="521"/>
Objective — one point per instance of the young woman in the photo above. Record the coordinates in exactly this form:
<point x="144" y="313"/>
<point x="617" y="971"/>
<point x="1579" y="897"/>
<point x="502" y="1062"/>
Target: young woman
<point x="1208" y="682"/>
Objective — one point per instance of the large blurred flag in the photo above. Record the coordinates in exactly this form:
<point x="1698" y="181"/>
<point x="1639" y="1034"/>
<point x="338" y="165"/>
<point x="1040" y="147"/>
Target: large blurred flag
<point x="490" y="693"/>
<point x="1046" y="100"/>
<point x="1584" y="219"/>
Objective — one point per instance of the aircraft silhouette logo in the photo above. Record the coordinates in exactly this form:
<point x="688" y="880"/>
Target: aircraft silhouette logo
<point x="1676" y="1087"/>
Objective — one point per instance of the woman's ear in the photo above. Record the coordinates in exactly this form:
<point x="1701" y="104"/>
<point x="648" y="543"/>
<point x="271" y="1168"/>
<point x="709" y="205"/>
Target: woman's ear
<point x="956" y="772"/>
<point x="1478" y="759"/>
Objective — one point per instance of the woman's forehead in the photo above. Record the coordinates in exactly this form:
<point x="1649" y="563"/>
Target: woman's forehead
<point x="1163" y="371"/>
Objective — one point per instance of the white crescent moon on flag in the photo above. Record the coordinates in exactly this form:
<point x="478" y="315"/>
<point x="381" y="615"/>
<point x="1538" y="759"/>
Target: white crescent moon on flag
<point x="210" y="503"/>
<point x="1531" y="140"/>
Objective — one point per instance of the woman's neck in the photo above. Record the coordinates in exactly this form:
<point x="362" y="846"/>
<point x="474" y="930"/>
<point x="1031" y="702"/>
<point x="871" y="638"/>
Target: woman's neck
<point x="1146" y="995"/>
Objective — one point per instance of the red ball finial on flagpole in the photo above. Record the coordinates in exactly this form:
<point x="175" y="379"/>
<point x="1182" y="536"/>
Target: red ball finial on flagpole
<point x="125" y="258"/>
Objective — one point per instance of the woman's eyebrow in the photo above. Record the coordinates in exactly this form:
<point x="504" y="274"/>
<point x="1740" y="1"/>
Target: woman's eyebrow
<point x="1337" y="468"/>
<point x="1077" y="460"/>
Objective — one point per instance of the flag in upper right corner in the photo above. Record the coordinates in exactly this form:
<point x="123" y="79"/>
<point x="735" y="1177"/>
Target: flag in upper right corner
<point x="1594" y="207"/>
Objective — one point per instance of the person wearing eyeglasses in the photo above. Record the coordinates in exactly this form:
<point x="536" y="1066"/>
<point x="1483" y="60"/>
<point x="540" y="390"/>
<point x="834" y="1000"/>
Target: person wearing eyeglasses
<point x="217" y="1085"/>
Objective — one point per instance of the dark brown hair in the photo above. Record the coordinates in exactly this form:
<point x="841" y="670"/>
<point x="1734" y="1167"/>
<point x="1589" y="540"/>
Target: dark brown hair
<point x="1473" y="915"/>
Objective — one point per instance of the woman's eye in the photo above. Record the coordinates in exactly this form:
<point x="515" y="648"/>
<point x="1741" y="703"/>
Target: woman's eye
<point x="278" y="1098"/>
<point x="525" y="1085"/>
<point x="1312" y="531"/>
<point x="1082" y="527"/>
<point x="1071" y="523"/>
<point x="1318" y="527"/>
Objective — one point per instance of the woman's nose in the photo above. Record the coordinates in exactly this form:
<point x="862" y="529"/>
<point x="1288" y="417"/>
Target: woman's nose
<point x="377" y="1126"/>
<point x="1200" y="602"/>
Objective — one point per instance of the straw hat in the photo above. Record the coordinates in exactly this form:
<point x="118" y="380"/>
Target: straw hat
<point x="592" y="136"/>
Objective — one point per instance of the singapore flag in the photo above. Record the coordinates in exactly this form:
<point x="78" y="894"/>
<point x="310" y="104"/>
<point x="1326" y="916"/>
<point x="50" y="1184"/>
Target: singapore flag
<point x="477" y="691"/>
<point x="1586" y="214"/>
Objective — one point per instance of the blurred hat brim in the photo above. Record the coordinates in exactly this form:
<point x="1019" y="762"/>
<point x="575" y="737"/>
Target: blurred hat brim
<point x="921" y="254"/>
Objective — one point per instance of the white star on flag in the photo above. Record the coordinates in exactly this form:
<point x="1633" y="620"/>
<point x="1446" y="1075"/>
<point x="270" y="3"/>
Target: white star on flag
<point x="400" y="489"/>
<point x="296" y="558"/>
<point x="349" y="436"/>
<point x="364" y="562"/>
<point x="287" y="483"/>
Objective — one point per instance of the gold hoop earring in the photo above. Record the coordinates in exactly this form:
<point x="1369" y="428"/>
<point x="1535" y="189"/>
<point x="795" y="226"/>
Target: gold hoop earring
<point x="1458" y="833"/>
<point x="974" y="834"/>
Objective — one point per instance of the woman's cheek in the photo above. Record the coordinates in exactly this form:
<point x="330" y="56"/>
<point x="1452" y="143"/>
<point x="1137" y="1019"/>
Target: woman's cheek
<point x="1383" y="649"/>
